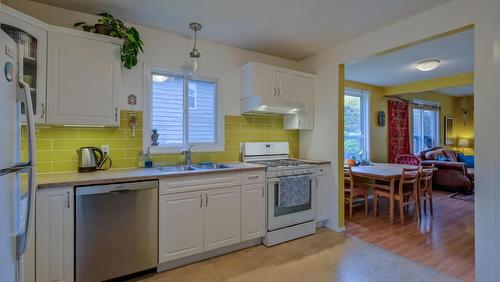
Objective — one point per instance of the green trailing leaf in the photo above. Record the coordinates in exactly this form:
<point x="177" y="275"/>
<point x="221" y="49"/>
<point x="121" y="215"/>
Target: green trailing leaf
<point x="132" y="43"/>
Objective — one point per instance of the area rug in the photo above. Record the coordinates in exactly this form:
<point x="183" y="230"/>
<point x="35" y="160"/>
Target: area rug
<point x="463" y="197"/>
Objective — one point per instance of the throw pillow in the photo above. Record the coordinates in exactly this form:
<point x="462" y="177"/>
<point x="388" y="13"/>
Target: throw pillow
<point x="467" y="160"/>
<point x="443" y="158"/>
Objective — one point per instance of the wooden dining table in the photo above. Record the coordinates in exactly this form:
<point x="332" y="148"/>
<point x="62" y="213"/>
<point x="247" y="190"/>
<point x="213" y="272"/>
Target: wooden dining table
<point x="386" y="172"/>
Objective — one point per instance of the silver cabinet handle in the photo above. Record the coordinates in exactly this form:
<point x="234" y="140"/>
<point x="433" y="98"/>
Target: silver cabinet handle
<point x="206" y="200"/>
<point x="42" y="114"/>
<point x="275" y="91"/>
<point x="317" y="184"/>
<point x="116" y="114"/>
<point x="201" y="200"/>
<point x="262" y="191"/>
<point x="67" y="200"/>
<point x="253" y="177"/>
<point x="279" y="91"/>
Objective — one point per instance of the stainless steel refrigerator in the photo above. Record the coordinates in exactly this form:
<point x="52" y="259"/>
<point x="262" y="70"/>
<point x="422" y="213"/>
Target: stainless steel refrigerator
<point x="16" y="199"/>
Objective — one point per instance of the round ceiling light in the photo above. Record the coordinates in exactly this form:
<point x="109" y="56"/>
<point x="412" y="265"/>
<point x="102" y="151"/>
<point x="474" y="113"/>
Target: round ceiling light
<point x="427" y="65"/>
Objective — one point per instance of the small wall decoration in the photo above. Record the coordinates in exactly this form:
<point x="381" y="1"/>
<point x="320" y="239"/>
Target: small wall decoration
<point x="132" y="122"/>
<point x="381" y="118"/>
<point x="132" y="99"/>
<point x="449" y="131"/>
<point x="465" y="110"/>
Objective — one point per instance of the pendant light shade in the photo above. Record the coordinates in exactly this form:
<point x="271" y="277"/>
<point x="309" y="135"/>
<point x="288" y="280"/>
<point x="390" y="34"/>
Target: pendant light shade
<point x="194" y="55"/>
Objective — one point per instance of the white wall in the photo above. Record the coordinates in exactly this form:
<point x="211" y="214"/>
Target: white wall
<point x="168" y="48"/>
<point x="485" y="15"/>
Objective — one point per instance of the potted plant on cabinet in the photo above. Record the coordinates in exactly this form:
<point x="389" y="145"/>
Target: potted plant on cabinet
<point x="109" y="25"/>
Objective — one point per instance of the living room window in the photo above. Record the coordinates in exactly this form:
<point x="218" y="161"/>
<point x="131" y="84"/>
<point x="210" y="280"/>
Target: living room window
<point x="425" y="125"/>
<point x="356" y="123"/>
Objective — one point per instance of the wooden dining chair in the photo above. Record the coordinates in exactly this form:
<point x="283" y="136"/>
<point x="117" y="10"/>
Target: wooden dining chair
<point x="353" y="191"/>
<point x="425" y="186"/>
<point x="406" y="193"/>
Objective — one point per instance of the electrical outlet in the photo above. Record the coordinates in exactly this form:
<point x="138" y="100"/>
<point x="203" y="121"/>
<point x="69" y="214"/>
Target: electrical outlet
<point x="105" y="149"/>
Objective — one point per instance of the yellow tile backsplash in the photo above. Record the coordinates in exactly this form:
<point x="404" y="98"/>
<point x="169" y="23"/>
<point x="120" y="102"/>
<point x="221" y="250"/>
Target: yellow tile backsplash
<point x="56" y="146"/>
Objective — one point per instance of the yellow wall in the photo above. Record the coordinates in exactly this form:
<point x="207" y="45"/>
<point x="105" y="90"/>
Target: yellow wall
<point x="56" y="146"/>
<point x="467" y="130"/>
<point x="450" y="107"/>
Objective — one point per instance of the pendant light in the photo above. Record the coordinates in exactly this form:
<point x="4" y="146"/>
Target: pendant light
<point x="194" y="55"/>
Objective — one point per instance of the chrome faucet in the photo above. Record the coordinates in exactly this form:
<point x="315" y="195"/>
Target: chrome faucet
<point x="187" y="154"/>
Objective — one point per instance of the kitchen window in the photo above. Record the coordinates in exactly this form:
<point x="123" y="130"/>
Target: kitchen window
<point x="185" y="110"/>
<point x="356" y="123"/>
<point x="425" y="125"/>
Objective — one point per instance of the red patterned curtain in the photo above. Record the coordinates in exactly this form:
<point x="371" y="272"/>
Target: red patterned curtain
<point x="399" y="131"/>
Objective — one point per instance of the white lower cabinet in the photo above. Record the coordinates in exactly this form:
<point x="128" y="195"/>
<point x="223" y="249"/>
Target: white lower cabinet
<point x="194" y="222"/>
<point x="253" y="211"/>
<point x="222" y="217"/>
<point x="323" y="184"/>
<point x="54" y="234"/>
<point x="180" y="225"/>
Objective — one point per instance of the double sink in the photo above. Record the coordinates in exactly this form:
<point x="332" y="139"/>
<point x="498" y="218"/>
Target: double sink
<point x="182" y="168"/>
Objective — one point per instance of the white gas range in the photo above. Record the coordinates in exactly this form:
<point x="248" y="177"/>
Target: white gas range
<point x="285" y="222"/>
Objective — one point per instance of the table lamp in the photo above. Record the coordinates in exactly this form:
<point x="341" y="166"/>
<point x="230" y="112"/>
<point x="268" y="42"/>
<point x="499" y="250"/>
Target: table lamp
<point x="463" y="143"/>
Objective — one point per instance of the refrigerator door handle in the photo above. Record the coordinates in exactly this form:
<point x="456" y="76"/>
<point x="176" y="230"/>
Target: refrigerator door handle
<point x="23" y="238"/>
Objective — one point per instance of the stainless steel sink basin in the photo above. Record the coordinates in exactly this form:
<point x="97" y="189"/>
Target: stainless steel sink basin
<point x="176" y="168"/>
<point x="210" y="166"/>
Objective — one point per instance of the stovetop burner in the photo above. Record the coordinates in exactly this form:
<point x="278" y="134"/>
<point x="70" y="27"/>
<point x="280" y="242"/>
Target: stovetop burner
<point x="280" y="163"/>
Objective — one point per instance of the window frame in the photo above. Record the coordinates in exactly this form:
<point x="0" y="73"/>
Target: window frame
<point x="426" y="105"/>
<point x="218" y="145"/>
<point x="365" y="97"/>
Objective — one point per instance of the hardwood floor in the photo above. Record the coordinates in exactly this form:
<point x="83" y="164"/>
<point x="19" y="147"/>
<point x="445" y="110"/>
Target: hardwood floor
<point x="444" y="242"/>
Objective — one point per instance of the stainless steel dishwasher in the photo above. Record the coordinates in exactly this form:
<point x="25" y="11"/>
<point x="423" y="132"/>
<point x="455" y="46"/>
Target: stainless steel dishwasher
<point x="116" y="231"/>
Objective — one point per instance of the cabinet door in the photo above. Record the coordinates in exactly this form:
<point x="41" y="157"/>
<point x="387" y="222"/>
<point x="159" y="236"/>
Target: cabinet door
<point x="33" y="35"/>
<point x="288" y="85"/>
<point x="54" y="235"/>
<point x="265" y="83"/>
<point x="306" y="116"/>
<point x="83" y="80"/>
<point x="222" y="217"/>
<point x="180" y="225"/>
<point x="323" y="197"/>
<point x="253" y="211"/>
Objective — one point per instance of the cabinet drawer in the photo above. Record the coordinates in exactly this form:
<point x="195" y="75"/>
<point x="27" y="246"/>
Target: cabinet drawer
<point x="254" y="176"/>
<point x="180" y="184"/>
<point x="322" y="169"/>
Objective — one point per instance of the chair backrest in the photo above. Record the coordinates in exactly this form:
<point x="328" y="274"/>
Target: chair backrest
<point x="348" y="176"/>
<point x="426" y="172"/>
<point x="408" y="159"/>
<point x="409" y="176"/>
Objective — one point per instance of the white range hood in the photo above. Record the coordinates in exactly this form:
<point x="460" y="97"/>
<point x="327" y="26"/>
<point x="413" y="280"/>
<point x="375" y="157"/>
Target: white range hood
<point x="260" y="105"/>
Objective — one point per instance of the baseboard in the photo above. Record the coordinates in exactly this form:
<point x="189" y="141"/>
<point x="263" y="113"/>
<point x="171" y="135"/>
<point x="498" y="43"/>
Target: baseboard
<point x="206" y="255"/>
<point x="335" y="228"/>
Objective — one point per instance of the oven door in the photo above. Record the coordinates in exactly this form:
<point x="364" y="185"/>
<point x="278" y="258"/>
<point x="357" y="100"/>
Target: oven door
<point x="279" y="217"/>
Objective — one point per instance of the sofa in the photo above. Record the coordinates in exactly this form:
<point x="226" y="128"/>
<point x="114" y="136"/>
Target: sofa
<point x="451" y="174"/>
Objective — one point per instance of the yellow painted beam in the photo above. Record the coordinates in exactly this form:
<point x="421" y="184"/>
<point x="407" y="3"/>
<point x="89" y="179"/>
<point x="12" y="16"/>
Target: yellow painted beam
<point x="340" y="156"/>
<point x="431" y="84"/>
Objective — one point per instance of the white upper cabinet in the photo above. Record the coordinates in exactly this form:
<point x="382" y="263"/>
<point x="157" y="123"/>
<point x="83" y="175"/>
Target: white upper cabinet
<point x="268" y="89"/>
<point x="31" y="35"/>
<point x="83" y="78"/>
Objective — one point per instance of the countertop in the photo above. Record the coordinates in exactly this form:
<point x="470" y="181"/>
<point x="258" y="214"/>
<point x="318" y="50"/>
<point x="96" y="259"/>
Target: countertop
<point x="126" y="175"/>
<point x="317" y="162"/>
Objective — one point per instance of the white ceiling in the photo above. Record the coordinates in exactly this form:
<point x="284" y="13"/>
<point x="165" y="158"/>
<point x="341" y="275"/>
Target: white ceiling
<point x="456" y="53"/>
<point x="293" y="29"/>
<point x="467" y="90"/>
